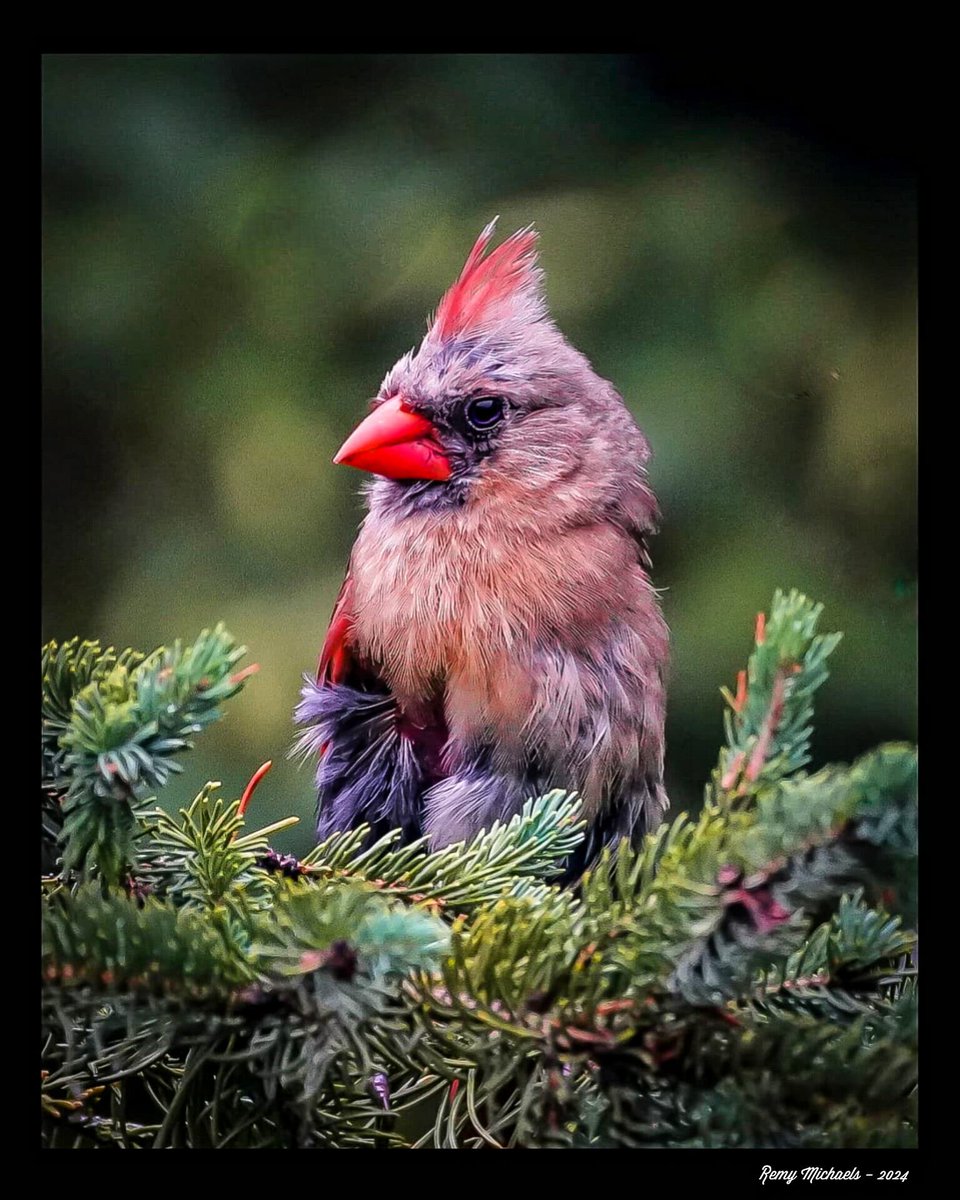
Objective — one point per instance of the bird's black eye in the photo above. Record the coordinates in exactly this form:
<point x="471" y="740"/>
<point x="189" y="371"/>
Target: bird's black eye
<point x="484" y="412"/>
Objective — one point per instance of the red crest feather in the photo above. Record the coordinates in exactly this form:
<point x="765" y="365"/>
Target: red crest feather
<point x="488" y="286"/>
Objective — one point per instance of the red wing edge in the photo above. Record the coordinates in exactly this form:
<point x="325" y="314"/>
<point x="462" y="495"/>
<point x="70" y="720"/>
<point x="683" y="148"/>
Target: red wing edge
<point x="335" y="658"/>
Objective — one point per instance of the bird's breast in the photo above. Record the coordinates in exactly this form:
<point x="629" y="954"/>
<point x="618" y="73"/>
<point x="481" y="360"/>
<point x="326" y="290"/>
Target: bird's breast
<point x="453" y="608"/>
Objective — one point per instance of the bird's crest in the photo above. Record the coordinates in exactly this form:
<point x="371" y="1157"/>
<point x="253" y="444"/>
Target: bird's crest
<point x="492" y="288"/>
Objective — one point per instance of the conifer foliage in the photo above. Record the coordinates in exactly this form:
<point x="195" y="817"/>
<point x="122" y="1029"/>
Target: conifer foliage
<point x="743" y="978"/>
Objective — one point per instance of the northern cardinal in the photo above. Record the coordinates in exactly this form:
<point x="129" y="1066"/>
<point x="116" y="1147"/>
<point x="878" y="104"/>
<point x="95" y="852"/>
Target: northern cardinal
<point x="497" y="634"/>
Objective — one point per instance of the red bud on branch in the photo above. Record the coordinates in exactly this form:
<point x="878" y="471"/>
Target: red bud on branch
<point x="252" y="786"/>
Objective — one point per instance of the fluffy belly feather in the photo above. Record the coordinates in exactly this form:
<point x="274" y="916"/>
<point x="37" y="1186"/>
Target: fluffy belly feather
<point x="446" y="611"/>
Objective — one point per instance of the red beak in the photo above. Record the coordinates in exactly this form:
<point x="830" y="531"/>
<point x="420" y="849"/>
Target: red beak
<point x="395" y="442"/>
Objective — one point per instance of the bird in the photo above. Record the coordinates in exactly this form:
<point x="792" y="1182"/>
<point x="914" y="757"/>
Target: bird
<point x="497" y="634"/>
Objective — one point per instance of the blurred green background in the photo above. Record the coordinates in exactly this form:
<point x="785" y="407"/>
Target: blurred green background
<point x="237" y="247"/>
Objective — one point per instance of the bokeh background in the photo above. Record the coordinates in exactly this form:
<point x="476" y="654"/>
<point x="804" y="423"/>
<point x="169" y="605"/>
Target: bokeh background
<point x="237" y="247"/>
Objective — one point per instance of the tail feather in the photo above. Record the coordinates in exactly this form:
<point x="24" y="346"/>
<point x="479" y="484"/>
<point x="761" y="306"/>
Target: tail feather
<point x="367" y="770"/>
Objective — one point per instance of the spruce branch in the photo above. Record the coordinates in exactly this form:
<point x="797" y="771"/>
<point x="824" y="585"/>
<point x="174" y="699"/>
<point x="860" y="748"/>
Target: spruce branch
<point x="124" y="728"/>
<point x="768" y="721"/>
<point x="516" y="855"/>
<point x="811" y="840"/>
<point x="731" y="981"/>
<point x="94" y="940"/>
<point x="203" y="858"/>
<point x="853" y="965"/>
<point x="65" y="670"/>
